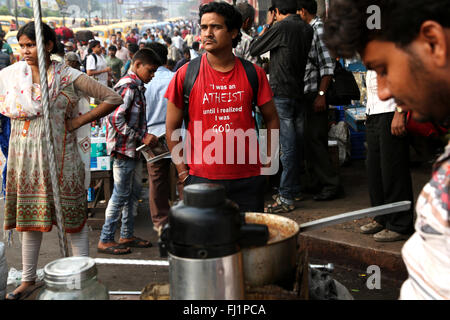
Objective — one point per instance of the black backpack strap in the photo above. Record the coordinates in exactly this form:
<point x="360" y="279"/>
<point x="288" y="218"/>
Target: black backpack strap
<point x="192" y="71"/>
<point x="252" y="77"/>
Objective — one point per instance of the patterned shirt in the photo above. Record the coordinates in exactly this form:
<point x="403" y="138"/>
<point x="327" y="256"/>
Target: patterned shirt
<point x="427" y="253"/>
<point x="319" y="63"/>
<point x="127" y="125"/>
<point x="242" y="50"/>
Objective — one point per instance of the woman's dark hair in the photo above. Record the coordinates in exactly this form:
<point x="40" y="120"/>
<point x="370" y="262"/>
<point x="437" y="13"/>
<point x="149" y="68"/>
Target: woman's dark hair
<point x="147" y="56"/>
<point x="308" y="5"/>
<point x="347" y="29"/>
<point x="93" y="44"/>
<point x="47" y="32"/>
<point x="160" y="49"/>
<point x="233" y="18"/>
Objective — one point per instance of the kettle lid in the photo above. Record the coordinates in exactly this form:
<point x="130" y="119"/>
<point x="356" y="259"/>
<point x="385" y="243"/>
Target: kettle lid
<point x="204" y="195"/>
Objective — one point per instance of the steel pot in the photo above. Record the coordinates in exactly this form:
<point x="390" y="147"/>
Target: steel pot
<point x="275" y="262"/>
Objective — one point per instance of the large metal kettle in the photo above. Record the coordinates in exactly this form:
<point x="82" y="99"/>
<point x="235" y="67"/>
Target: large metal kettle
<point x="203" y="240"/>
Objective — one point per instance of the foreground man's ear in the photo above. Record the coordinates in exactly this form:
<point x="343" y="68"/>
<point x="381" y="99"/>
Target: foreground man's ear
<point x="436" y="43"/>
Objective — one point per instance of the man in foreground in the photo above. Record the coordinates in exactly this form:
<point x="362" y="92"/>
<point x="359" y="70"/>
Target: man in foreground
<point x="410" y="51"/>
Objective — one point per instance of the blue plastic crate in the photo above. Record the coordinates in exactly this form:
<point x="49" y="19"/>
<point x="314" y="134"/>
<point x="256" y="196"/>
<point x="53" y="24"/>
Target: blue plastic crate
<point x="357" y="140"/>
<point x="355" y="118"/>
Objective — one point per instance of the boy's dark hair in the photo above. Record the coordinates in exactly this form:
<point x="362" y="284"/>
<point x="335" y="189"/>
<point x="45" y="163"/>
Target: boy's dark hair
<point x="233" y="18"/>
<point x="112" y="48"/>
<point x="246" y="10"/>
<point x="196" y="45"/>
<point x="133" y="48"/>
<point x="48" y="33"/>
<point x="168" y="40"/>
<point x="171" y="63"/>
<point x="308" y="5"/>
<point x="186" y="51"/>
<point x="147" y="56"/>
<point x="347" y="31"/>
<point x="60" y="48"/>
<point x="160" y="49"/>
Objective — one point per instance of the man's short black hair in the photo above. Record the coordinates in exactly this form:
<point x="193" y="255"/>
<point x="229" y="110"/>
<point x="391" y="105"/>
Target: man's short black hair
<point x="308" y="5"/>
<point x="133" y="48"/>
<point x="233" y="19"/>
<point x="147" y="56"/>
<point x="112" y="48"/>
<point x="168" y="40"/>
<point x="347" y="30"/>
<point x="160" y="49"/>
<point x="246" y="10"/>
<point x="196" y="45"/>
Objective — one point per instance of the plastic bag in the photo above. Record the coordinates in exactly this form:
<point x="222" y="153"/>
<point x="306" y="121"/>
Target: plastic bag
<point x="340" y="133"/>
<point x="15" y="276"/>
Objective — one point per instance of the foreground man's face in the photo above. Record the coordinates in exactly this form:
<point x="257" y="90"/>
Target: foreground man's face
<point x="411" y="78"/>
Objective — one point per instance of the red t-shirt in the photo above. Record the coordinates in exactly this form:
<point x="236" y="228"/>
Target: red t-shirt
<point x="221" y="104"/>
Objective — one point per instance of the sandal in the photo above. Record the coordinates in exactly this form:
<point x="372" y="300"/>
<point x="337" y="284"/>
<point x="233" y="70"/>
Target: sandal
<point x="298" y="197"/>
<point x="115" y="250"/>
<point x="26" y="293"/>
<point x="136" y="243"/>
<point x="279" y="207"/>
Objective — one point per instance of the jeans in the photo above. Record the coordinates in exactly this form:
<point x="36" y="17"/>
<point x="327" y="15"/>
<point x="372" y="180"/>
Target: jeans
<point x="127" y="175"/>
<point x="292" y="118"/>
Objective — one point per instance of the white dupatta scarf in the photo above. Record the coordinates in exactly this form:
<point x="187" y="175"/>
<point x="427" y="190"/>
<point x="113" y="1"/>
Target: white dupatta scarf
<point x="17" y="102"/>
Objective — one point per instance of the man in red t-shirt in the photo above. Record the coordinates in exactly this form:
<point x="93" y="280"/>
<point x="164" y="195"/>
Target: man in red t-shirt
<point x="221" y="143"/>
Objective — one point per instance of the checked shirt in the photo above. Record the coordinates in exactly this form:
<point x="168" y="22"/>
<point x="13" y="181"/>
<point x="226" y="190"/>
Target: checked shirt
<point x="319" y="63"/>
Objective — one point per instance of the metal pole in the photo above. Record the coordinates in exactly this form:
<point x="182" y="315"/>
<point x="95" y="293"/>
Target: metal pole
<point x="45" y="105"/>
<point x="16" y="9"/>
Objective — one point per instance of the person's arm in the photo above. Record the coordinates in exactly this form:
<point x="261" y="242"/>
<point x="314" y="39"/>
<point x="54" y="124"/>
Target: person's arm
<point x="326" y="69"/>
<point x="174" y="120"/>
<point x="398" y="124"/>
<point x="109" y="101"/>
<point x="268" y="40"/>
<point x="272" y="121"/>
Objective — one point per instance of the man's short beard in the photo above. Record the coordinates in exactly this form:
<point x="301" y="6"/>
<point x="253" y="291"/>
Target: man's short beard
<point x="436" y="92"/>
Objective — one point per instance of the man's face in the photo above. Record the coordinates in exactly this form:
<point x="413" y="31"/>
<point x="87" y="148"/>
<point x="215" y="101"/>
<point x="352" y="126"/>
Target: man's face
<point x="112" y="53"/>
<point x="97" y="49"/>
<point x="145" y="72"/>
<point x="408" y="76"/>
<point x="214" y="33"/>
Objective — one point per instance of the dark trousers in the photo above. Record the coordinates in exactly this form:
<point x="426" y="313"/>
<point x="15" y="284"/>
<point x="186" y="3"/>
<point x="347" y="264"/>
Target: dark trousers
<point x="320" y="170"/>
<point x="247" y="193"/>
<point x="159" y="191"/>
<point x="388" y="171"/>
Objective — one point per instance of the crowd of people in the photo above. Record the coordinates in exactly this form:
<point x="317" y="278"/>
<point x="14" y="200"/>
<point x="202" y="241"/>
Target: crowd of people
<point x="214" y="82"/>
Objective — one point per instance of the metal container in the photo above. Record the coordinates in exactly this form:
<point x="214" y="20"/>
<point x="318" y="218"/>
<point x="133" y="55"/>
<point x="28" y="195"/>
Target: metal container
<point x="275" y="262"/>
<point x="203" y="238"/>
<point x="3" y="271"/>
<point x="206" y="279"/>
<point x="73" y="278"/>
